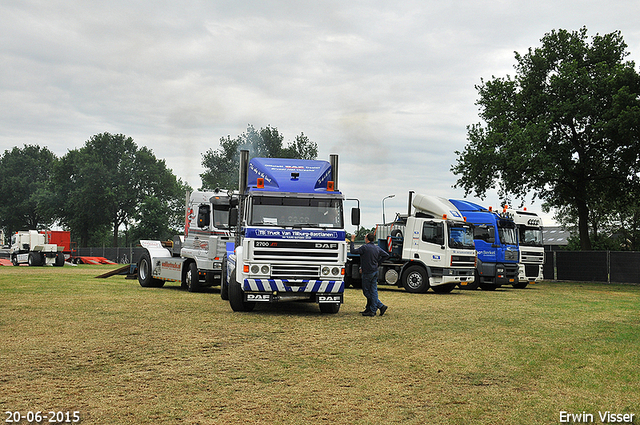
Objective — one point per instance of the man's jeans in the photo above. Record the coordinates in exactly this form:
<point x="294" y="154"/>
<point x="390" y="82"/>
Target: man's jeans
<point x="370" y="291"/>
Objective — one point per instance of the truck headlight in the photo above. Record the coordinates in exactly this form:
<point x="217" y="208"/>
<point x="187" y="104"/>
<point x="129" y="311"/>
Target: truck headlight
<point x="264" y="269"/>
<point x="325" y="271"/>
<point x="335" y="271"/>
<point x="255" y="269"/>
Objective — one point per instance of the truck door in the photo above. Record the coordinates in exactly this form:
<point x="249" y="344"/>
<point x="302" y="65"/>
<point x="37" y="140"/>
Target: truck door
<point x="484" y="237"/>
<point x="428" y="241"/>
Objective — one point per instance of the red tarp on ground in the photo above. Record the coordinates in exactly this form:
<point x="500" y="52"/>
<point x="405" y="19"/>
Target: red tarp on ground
<point x="5" y="262"/>
<point x="95" y="260"/>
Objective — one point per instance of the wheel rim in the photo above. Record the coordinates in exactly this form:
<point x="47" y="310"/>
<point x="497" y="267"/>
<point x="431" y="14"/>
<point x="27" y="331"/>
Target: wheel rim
<point x="143" y="269"/>
<point x="414" y="280"/>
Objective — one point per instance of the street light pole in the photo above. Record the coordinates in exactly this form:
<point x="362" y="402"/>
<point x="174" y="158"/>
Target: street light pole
<point x="383" y="199"/>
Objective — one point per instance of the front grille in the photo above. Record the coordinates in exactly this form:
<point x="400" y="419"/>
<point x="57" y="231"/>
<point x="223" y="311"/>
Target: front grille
<point x="280" y="271"/>
<point x="531" y="270"/>
<point x="295" y="259"/>
<point x="511" y="255"/>
<point x="296" y="252"/>
<point x="532" y="257"/>
<point x="463" y="261"/>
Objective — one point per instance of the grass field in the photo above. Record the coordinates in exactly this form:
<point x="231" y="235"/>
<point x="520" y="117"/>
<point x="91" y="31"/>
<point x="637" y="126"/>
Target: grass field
<point x="122" y="354"/>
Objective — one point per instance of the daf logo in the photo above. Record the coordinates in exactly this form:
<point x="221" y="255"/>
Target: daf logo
<point x="258" y="297"/>
<point x="534" y="222"/>
<point x="326" y="245"/>
<point x="329" y="298"/>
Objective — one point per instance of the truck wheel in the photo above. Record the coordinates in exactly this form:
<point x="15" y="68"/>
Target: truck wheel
<point x="329" y="308"/>
<point x="415" y="280"/>
<point x="144" y="273"/>
<point x="14" y="260"/>
<point x="192" y="278"/>
<point x="520" y="285"/>
<point x="59" y="260"/>
<point x="444" y="289"/>
<point x="34" y="259"/>
<point x="236" y="296"/>
<point x="488" y="287"/>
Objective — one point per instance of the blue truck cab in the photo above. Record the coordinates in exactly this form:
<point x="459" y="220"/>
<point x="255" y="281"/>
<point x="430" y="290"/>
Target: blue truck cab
<point x="289" y="235"/>
<point x="496" y="243"/>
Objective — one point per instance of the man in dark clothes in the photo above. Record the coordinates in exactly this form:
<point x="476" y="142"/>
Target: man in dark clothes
<point x="370" y="257"/>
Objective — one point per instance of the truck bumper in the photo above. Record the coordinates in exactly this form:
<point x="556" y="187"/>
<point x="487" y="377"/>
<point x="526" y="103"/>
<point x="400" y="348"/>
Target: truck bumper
<point x="294" y="286"/>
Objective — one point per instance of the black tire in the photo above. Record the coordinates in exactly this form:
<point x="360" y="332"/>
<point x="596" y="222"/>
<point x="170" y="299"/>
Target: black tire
<point x="396" y="233"/>
<point x="520" y="285"/>
<point x="236" y="296"/>
<point x="224" y="284"/>
<point x="34" y="259"/>
<point x="192" y="277"/>
<point x="329" y="308"/>
<point x="14" y="260"/>
<point x="59" y="260"/>
<point x="415" y="280"/>
<point x="145" y="278"/>
<point x="488" y="287"/>
<point x="443" y="289"/>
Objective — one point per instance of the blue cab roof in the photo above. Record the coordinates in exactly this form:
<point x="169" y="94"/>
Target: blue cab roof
<point x="467" y="206"/>
<point x="290" y="175"/>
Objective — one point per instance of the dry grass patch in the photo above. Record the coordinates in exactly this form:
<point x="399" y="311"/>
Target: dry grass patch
<point x="120" y="353"/>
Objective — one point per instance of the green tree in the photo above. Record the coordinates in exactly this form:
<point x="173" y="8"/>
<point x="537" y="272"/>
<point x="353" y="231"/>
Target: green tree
<point x="107" y="184"/>
<point x="566" y="127"/>
<point x="221" y="165"/>
<point x="24" y="180"/>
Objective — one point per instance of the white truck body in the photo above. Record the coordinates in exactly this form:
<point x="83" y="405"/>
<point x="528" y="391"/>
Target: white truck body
<point x="31" y="247"/>
<point x="531" y="262"/>
<point x="431" y="248"/>
<point x="195" y="260"/>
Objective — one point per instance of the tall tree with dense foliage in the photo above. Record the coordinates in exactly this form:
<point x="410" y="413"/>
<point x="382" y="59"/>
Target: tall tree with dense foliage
<point x="222" y="164"/>
<point x="24" y="182"/>
<point x="108" y="182"/>
<point x="566" y="127"/>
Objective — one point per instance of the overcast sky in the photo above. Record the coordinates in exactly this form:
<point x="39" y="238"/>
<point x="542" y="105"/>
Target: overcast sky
<point x="387" y="85"/>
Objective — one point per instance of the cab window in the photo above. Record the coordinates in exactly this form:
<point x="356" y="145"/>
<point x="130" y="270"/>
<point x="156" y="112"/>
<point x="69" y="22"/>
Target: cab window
<point x="433" y="232"/>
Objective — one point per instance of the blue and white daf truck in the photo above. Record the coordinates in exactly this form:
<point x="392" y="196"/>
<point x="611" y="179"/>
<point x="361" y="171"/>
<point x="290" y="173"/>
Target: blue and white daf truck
<point x="429" y="248"/>
<point x="496" y="242"/>
<point x="290" y="238"/>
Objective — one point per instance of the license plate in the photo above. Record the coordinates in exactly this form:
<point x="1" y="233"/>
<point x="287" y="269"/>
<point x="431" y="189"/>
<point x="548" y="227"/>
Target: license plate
<point x="464" y="283"/>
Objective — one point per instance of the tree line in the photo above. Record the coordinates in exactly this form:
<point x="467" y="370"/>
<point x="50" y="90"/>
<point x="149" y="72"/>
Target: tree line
<point x="565" y="128"/>
<point x="113" y="192"/>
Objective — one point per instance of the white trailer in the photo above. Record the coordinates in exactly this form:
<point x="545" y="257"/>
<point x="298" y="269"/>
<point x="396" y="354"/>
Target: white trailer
<point x="195" y="259"/>
<point x="31" y="247"/>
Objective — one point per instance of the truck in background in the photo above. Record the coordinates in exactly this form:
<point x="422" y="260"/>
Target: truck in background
<point x="496" y="242"/>
<point x="195" y="259"/>
<point x="531" y="263"/>
<point x="289" y="234"/>
<point x="431" y="248"/>
<point x="32" y="247"/>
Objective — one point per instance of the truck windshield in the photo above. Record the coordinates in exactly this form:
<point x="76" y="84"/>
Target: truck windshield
<point x="507" y="235"/>
<point x="461" y="237"/>
<point x="530" y="236"/>
<point x="296" y="212"/>
<point x="221" y="216"/>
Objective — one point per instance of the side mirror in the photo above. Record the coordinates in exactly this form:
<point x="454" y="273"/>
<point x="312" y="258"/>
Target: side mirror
<point x="355" y="216"/>
<point x="233" y="217"/>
